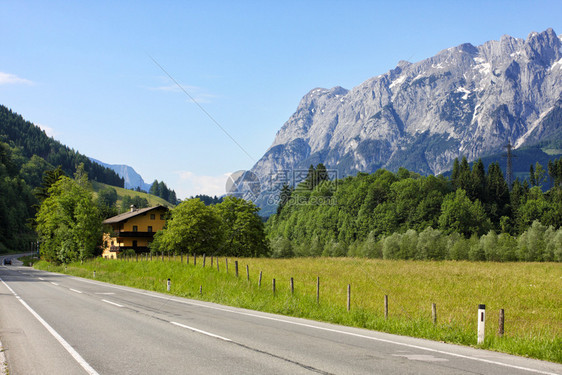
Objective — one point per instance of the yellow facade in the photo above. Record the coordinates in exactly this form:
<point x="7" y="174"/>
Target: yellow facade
<point x="133" y="230"/>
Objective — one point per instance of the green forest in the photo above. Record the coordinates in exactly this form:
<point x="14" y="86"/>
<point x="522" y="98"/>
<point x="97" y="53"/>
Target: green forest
<point x="471" y="215"/>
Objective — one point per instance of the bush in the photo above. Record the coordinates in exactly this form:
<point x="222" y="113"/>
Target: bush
<point x="391" y="247"/>
<point x="281" y="248"/>
<point x="431" y="245"/>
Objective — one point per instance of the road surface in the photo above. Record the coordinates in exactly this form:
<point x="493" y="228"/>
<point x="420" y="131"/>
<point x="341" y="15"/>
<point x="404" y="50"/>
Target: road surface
<point x="58" y="324"/>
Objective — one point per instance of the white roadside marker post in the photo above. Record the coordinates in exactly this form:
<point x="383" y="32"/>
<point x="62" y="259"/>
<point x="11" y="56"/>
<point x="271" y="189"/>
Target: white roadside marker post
<point x="481" y="323"/>
<point x="169" y="284"/>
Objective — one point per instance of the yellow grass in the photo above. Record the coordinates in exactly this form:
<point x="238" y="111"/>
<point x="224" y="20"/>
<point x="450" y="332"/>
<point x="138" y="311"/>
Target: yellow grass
<point x="530" y="293"/>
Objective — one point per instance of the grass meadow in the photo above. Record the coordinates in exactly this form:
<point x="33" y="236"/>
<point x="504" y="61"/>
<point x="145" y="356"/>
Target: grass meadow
<point x="530" y="294"/>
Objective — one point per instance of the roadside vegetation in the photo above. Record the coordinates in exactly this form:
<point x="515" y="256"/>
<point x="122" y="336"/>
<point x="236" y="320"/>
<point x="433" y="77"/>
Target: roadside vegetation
<point x="528" y="292"/>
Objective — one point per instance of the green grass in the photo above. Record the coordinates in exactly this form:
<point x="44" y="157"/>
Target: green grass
<point x="121" y="192"/>
<point x="28" y="261"/>
<point x="530" y="294"/>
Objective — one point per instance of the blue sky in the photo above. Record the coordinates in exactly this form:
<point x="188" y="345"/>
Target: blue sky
<point x="83" y="70"/>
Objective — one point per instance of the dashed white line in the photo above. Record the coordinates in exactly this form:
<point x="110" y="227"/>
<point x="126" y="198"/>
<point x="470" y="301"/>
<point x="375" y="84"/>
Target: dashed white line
<point x="112" y="303"/>
<point x="200" y="331"/>
<point x="85" y="365"/>
<point x="107" y="294"/>
<point x="40" y="278"/>
<point x="52" y="282"/>
<point x="76" y="291"/>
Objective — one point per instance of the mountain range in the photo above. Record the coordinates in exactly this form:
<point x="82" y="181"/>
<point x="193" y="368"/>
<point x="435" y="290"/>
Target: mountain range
<point x="133" y="180"/>
<point x="465" y="101"/>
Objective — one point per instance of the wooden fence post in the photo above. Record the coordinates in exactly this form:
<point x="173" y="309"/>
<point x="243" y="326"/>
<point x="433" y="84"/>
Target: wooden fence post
<point x="385" y="306"/>
<point x="194" y="259"/>
<point x="273" y="286"/>
<point x="501" y="323"/>
<point x="203" y="260"/>
<point x="434" y="313"/>
<point x="247" y="272"/>
<point x="236" y="267"/>
<point x="226" y="262"/>
<point x="259" y="281"/>
<point x="348" y="297"/>
<point x="211" y="261"/>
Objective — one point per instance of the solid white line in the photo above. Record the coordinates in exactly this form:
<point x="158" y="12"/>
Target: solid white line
<point x="54" y="283"/>
<point x="112" y="303"/>
<point x="40" y="278"/>
<point x="59" y="338"/>
<point x="193" y="303"/>
<point x="200" y="331"/>
<point x="76" y="291"/>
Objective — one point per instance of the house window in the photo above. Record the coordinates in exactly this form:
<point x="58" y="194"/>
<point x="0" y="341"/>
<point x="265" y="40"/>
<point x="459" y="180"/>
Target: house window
<point x="152" y="217"/>
<point x="149" y="229"/>
<point x="161" y="216"/>
<point x="135" y="228"/>
<point x="135" y="244"/>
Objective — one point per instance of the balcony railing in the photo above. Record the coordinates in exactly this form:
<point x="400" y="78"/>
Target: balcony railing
<point x="132" y="234"/>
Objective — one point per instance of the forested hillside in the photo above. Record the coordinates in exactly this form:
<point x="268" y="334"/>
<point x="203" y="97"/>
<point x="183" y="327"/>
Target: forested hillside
<point x="16" y="203"/>
<point x="31" y="140"/>
<point x="404" y="215"/>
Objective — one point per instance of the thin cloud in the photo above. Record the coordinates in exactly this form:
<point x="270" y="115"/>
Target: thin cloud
<point x="191" y="184"/>
<point x="12" y="79"/>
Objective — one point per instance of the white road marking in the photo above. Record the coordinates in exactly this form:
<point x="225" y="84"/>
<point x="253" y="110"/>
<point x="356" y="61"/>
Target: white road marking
<point x="112" y="303"/>
<point x="55" y="334"/>
<point x="76" y="291"/>
<point x="105" y="293"/>
<point x="40" y="278"/>
<point x="193" y="303"/>
<point x="54" y="283"/>
<point x="421" y="357"/>
<point x="200" y="331"/>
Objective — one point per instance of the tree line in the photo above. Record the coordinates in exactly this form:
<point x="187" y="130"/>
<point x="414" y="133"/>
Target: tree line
<point x="358" y="215"/>
<point x="161" y="190"/>
<point x="231" y="227"/>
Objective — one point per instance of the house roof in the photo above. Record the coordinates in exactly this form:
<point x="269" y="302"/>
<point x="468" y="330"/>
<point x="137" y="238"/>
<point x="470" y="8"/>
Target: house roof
<point x="127" y="215"/>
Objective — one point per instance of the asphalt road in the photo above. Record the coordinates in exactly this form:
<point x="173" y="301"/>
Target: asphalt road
<point x="57" y="324"/>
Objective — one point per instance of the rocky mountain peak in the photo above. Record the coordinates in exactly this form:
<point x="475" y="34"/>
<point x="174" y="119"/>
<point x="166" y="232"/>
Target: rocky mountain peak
<point x="465" y="101"/>
<point x="544" y="47"/>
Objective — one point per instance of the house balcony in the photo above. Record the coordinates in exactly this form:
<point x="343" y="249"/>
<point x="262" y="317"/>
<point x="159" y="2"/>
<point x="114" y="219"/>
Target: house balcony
<point x="122" y="234"/>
